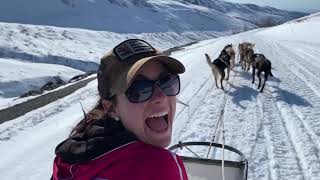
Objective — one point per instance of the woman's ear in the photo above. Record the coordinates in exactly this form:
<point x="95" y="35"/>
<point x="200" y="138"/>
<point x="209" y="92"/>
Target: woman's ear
<point x="106" y="104"/>
<point x="109" y="109"/>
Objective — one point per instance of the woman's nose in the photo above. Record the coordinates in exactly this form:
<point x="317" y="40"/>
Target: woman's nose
<point x="158" y="95"/>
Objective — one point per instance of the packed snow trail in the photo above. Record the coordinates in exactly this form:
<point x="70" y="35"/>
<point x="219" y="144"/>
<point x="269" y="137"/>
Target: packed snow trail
<point x="293" y="108"/>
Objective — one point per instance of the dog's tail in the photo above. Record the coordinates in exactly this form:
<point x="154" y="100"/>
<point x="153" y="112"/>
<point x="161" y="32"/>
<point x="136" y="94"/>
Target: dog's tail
<point x="208" y="60"/>
<point x="268" y="62"/>
<point x="270" y="73"/>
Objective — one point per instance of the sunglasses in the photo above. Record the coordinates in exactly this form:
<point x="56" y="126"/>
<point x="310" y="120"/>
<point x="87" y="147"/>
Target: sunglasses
<point x="142" y="90"/>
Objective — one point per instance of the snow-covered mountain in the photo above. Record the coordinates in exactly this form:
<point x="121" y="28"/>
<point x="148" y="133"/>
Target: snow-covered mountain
<point x="248" y="12"/>
<point x="31" y="36"/>
<point x="141" y="16"/>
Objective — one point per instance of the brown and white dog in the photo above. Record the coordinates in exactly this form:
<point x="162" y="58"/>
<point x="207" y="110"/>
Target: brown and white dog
<point x="262" y="64"/>
<point x="243" y="49"/>
<point x="218" y="67"/>
<point x="247" y="60"/>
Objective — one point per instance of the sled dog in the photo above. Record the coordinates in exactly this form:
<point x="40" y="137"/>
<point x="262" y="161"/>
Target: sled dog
<point x="218" y="67"/>
<point x="261" y="64"/>
<point x="242" y="48"/>
<point x="230" y="51"/>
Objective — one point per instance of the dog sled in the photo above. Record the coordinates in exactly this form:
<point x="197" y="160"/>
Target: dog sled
<point x="213" y="169"/>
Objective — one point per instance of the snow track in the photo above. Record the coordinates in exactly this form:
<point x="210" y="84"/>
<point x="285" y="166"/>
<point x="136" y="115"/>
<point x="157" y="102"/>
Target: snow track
<point x="302" y="81"/>
<point x="284" y="162"/>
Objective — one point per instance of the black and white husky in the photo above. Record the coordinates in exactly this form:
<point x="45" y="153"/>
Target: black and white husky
<point x="261" y="64"/>
<point x="218" y="67"/>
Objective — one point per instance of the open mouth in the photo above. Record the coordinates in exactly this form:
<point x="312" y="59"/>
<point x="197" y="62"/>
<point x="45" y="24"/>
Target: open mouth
<point x="158" y="122"/>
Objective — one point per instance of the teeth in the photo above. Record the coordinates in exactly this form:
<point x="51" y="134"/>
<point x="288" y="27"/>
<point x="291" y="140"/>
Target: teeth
<point x="158" y="114"/>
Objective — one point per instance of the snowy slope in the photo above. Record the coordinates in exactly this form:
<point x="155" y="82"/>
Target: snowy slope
<point x="295" y="30"/>
<point x="78" y="49"/>
<point x="128" y="16"/>
<point x="124" y="16"/>
<point x="278" y="130"/>
<point x="248" y="12"/>
<point x="164" y="24"/>
<point x="18" y="77"/>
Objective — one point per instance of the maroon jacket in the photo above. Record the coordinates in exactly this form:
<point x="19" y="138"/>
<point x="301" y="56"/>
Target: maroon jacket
<point x="108" y="152"/>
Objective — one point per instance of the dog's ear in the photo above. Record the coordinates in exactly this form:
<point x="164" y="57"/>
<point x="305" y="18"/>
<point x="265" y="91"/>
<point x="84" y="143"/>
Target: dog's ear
<point x="253" y="44"/>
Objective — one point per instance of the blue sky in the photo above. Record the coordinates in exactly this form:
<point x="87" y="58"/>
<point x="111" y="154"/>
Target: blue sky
<point x="298" y="5"/>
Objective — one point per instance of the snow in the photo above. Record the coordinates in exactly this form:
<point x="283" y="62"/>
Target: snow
<point x="128" y="16"/>
<point x="169" y="23"/>
<point x="163" y="16"/>
<point x="296" y="30"/>
<point x="278" y="130"/>
<point x="16" y="79"/>
<point x="66" y="51"/>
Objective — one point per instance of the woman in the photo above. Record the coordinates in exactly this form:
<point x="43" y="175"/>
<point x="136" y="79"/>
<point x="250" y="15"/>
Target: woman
<point x="125" y="135"/>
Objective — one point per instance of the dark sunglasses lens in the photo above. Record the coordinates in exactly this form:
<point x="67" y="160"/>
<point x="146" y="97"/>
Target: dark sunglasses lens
<point x="139" y="91"/>
<point x="170" y="85"/>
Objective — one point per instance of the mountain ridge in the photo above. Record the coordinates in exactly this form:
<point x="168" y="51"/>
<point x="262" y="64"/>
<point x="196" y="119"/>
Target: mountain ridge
<point x="138" y="16"/>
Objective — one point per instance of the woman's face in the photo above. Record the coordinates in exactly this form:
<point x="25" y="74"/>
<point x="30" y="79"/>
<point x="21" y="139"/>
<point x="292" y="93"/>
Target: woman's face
<point x="151" y="120"/>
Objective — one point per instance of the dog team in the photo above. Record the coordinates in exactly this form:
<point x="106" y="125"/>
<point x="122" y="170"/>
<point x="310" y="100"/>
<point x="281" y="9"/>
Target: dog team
<point x="226" y="61"/>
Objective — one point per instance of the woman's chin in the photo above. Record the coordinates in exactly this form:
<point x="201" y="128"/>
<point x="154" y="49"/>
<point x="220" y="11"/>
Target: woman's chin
<point x="161" y="143"/>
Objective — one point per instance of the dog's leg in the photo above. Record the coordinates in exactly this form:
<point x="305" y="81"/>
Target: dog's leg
<point x="271" y="73"/>
<point x="259" y="76"/>
<point x="247" y="63"/>
<point x="228" y="71"/>
<point x="232" y="64"/>
<point x="241" y="61"/>
<point x="251" y="59"/>
<point x="216" y="74"/>
<point x="221" y="79"/>
<point x="253" y="74"/>
<point x="243" y="65"/>
<point x="265" y="79"/>
<point x="215" y="77"/>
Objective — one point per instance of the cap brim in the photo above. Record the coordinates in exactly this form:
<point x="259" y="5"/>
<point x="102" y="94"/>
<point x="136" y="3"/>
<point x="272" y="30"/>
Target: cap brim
<point x="173" y="65"/>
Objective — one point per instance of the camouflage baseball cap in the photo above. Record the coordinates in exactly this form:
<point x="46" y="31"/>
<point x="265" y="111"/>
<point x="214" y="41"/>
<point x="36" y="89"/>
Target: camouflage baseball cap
<point x="119" y="66"/>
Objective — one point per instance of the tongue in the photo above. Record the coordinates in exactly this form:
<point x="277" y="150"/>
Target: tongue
<point x="157" y="124"/>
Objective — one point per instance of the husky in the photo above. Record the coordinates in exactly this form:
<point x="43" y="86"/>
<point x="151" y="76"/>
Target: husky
<point x="218" y="67"/>
<point x="230" y="51"/>
<point x="248" y="58"/>
<point x="262" y="64"/>
<point x="242" y="48"/>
